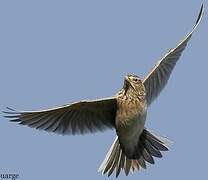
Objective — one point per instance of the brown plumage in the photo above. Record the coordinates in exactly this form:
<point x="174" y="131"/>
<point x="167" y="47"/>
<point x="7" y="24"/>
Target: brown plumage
<point x="125" y="112"/>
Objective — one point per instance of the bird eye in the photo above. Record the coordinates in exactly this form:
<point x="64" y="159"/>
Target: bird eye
<point x="136" y="80"/>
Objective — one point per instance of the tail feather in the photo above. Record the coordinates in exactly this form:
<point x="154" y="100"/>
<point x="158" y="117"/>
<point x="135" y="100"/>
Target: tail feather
<point x="147" y="156"/>
<point x="116" y="161"/>
<point x="142" y="162"/>
<point x="127" y="167"/>
<point x="120" y="163"/>
<point x="149" y="145"/>
<point x="135" y="165"/>
<point x="155" y="141"/>
<point x="106" y="164"/>
<point x="152" y="150"/>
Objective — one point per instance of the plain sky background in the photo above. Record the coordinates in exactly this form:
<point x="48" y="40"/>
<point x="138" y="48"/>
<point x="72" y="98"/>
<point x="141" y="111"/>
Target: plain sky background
<point x="56" y="52"/>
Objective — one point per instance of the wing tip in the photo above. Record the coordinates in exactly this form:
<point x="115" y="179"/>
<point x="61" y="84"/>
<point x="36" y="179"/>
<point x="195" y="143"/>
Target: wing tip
<point x="9" y="108"/>
<point x="10" y="111"/>
<point x="201" y="12"/>
<point x="11" y="114"/>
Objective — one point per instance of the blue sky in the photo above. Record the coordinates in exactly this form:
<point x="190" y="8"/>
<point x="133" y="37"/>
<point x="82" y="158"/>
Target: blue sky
<point x="56" y="52"/>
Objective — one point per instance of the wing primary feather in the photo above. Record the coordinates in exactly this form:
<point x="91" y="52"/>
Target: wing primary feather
<point x="39" y="121"/>
<point x="11" y="116"/>
<point x="11" y="109"/>
<point x="27" y="120"/>
<point x="15" y="120"/>
<point x="200" y="14"/>
<point x="10" y="112"/>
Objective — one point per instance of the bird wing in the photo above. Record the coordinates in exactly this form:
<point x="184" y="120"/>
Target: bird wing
<point x="156" y="80"/>
<point x="75" y="118"/>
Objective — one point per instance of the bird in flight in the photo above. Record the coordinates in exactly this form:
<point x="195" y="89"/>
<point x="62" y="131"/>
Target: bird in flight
<point x="125" y="112"/>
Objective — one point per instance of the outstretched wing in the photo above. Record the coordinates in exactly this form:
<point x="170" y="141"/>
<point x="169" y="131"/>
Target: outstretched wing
<point x="156" y="80"/>
<point x="76" y="118"/>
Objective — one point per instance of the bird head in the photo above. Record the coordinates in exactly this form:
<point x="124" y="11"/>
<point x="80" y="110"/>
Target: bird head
<point x="133" y="83"/>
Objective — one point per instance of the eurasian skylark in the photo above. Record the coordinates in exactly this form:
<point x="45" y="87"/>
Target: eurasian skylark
<point x="125" y="112"/>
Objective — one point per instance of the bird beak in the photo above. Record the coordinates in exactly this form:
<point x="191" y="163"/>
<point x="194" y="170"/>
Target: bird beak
<point x="128" y="82"/>
<point x="127" y="79"/>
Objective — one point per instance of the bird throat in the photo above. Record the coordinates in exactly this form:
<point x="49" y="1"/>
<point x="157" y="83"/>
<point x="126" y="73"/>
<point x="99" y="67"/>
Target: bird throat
<point x="130" y="92"/>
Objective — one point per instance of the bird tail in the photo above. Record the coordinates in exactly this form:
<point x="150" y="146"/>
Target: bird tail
<point x="149" y="145"/>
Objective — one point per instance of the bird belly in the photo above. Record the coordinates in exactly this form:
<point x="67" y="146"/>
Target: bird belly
<point x="129" y="132"/>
